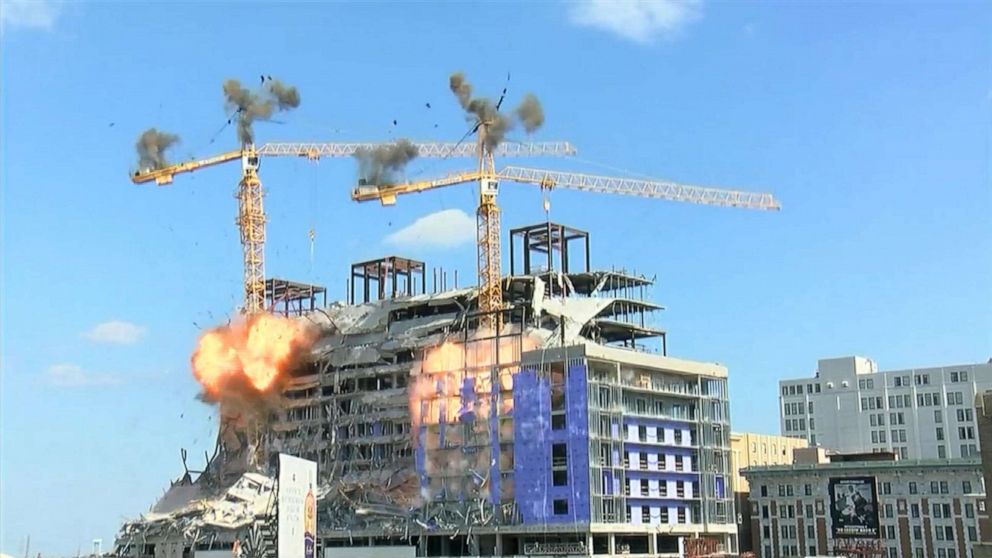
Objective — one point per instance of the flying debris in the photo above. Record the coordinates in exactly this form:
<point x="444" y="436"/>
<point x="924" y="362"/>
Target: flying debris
<point x="394" y="122"/>
<point x="428" y="105"/>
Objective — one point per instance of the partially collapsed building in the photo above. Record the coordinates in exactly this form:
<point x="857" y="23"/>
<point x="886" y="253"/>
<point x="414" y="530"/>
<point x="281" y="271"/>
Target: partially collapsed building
<point x="566" y="431"/>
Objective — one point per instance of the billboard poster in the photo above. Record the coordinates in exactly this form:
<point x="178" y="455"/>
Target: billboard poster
<point x="853" y="507"/>
<point x="297" y="515"/>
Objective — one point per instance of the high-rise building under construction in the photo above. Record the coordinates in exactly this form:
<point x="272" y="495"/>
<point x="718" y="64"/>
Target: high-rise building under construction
<point x="566" y="430"/>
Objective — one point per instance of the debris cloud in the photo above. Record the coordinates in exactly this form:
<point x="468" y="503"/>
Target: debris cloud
<point x="380" y="166"/>
<point x="151" y="146"/>
<point x="251" y="358"/>
<point x="530" y="113"/>
<point x="482" y="111"/>
<point x="252" y="105"/>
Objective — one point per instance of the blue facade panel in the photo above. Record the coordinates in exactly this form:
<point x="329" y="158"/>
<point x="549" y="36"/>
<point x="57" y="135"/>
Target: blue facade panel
<point x="535" y="492"/>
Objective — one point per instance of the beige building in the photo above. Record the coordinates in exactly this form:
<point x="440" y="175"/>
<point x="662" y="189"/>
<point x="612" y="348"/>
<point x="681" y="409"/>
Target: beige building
<point x="755" y="450"/>
<point x="758" y="450"/>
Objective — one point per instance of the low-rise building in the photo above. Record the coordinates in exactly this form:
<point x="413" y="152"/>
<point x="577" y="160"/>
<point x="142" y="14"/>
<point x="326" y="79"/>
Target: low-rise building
<point x="902" y="508"/>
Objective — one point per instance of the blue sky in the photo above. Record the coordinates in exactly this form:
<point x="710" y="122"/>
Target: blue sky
<point x="870" y="122"/>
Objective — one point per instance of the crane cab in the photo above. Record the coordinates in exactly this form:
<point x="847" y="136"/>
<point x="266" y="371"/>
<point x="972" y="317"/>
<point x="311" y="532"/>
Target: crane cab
<point x="249" y="159"/>
<point x="489" y="187"/>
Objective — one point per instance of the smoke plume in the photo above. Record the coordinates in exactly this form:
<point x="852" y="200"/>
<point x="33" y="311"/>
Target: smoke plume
<point x="379" y="166"/>
<point x="252" y="106"/>
<point x="151" y="148"/>
<point x="530" y="113"/>
<point x="482" y="110"/>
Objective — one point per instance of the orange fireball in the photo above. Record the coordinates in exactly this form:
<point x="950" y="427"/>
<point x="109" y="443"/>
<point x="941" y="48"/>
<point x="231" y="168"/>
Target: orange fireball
<point x="257" y="350"/>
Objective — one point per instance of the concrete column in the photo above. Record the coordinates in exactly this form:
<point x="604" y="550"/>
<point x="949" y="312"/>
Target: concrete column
<point x="612" y="544"/>
<point x="653" y="544"/>
<point x="499" y="545"/>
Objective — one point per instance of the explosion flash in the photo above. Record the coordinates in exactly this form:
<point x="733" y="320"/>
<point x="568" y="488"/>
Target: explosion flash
<point x="249" y="358"/>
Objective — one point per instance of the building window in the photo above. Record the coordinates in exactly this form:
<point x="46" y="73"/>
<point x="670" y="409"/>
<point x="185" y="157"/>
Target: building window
<point x="938" y="417"/>
<point x="948" y="533"/>
<point x="886" y="488"/>
<point x="964" y="375"/>
<point x="810" y="533"/>
<point x="940" y="434"/>
<point x="966" y="487"/>
<point x="808" y="489"/>
<point x="941" y="452"/>
<point x="912" y="487"/>
<point x="972" y="534"/>
<point x="645" y="514"/>
<point x="918" y="552"/>
<point x="891" y="531"/>
<point x="809" y="511"/>
<point x="914" y="510"/>
<point x="917" y="532"/>
<point x="943" y="487"/>
<point x="560" y="507"/>
<point x="888" y="510"/>
<point x="764" y="492"/>
<point x="969" y="510"/>
<point x="681" y="515"/>
<point x="764" y="511"/>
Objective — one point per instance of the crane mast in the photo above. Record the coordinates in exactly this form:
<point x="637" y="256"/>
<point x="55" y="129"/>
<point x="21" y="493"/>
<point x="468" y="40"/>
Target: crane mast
<point x="251" y="223"/>
<point x="488" y="238"/>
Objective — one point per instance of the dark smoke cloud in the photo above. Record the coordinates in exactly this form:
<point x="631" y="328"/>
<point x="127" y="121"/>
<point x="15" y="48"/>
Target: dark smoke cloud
<point x="151" y="148"/>
<point x="260" y="105"/>
<point x="461" y="88"/>
<point x="379" y="166"/>
<point x="529" y="113"/>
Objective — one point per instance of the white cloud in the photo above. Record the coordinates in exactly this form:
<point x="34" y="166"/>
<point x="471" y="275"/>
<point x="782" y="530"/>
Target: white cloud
<point x="72" y="375"/>
<point x="34" y="14"/>
<point x="445" y="229"/>
<point x="641" y="21"/>
<point x="116" y="332"/>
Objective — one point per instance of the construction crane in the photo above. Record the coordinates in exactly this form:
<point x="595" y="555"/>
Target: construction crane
<point x="251" y="212"/>
<point x="488" y="213"/>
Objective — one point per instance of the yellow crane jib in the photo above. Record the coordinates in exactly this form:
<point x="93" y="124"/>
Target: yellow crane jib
<point x="386" y="194"/>
<point x="164" y="176"/>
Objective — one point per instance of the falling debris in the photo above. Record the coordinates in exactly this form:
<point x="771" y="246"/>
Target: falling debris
<point x="530" y="113"/>
<point x="483" y="112"/>
<point x="151" y="147"/>
<point x="428" y="105"/>
<point x="379" y="166"/>
<point x="252" y="106"/>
